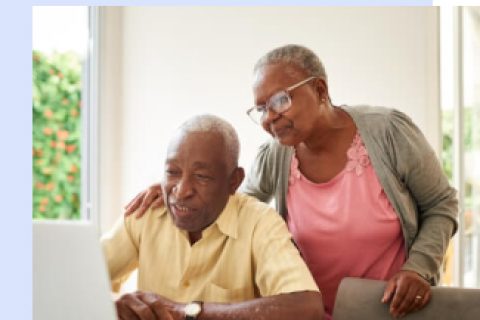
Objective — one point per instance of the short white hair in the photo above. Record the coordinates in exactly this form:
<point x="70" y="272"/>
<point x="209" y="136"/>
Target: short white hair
<point x="294" y="54"/>
<point x="214" y="124"/>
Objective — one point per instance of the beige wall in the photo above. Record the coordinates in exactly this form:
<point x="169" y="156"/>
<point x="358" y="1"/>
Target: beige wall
<point x="163" y="64"/>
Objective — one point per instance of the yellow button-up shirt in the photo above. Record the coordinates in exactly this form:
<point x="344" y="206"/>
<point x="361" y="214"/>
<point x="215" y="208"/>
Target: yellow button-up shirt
<point x="246" y="253"/>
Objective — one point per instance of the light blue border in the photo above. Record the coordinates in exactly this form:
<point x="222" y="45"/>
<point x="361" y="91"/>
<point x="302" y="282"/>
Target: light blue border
<point x="246" y="2"/>
<point x="16" y="161"/>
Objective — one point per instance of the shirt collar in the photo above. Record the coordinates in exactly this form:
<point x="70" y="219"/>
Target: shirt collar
<point x="160" y="212"/>
<point x="226" y="221"/>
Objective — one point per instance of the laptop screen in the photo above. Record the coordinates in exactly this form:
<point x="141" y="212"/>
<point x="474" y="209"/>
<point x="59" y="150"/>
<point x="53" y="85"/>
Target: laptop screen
<point x="69" y="274"/>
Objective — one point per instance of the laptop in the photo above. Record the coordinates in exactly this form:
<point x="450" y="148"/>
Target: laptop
<point x="70" y="278"/>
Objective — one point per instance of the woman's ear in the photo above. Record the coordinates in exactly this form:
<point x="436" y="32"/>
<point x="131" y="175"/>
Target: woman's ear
<point x="236" y="179"/>
<point x="321" y="89"/>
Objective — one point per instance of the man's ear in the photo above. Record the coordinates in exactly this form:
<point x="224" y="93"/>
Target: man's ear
<point x="236" y="179"/>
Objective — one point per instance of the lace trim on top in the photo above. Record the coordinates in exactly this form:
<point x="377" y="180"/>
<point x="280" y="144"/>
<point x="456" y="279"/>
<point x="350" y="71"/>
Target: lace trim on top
<point x="357" y="155"/>
<point x="358" y="159"/>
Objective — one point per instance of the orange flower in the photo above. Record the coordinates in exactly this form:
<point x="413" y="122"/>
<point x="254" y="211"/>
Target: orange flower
<point x="49" y="186"/>
<point x="65" y="101"/>
<point x="39" y="186"/>
<point x="48" y="113"/>
<point x="47" y="131"/>
<point x="60" y="75"/>
<point x="42" y="209"/>
<point x="58" y="198"/>
<point x="70" y="178"/>
<point x="53" y="144"/>
<point x="60" y="145"/>
<point x="44" y="201"/>
<point x="70" y="148"/>
<point x="74" y="112"/>
<point x="51" y="71"/>
<point x="62" y="134"/>
<point x="73" y="168"/>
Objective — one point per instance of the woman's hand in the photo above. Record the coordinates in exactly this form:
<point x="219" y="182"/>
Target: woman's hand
<point x="152" y="197"/>
<point x="406" y="291"/>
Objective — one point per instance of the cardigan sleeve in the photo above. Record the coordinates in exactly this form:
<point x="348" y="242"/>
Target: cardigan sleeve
<point x="420" y="172"/>
<point x="259" y="182"/>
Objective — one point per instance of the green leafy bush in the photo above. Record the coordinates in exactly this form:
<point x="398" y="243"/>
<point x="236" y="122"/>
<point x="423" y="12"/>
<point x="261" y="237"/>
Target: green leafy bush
<point x="56" y="135"/>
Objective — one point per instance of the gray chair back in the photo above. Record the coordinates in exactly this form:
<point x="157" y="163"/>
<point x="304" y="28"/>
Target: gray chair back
<point x="359" y="299"/>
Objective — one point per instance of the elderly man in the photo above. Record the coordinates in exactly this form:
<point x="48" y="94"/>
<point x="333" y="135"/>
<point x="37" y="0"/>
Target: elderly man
<point x="209" y="253"/>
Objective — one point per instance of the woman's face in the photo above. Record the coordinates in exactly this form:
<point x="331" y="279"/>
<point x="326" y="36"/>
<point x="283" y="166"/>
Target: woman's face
<point x="297" y="123"/>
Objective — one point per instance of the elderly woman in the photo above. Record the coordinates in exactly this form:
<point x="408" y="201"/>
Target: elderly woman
<point x="359" y="187"/>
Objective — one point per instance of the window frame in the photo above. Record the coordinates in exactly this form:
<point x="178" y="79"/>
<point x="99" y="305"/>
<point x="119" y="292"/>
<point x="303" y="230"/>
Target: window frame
<point x="454" y="20"/>
<point x="90" y="142"/>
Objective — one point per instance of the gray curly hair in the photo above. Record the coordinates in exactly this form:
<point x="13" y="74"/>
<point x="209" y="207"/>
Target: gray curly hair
<point x="214" y="124"/>
<point x="294" y="54"/>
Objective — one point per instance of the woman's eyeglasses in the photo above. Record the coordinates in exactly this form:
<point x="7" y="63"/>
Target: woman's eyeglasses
<point x="279" y="102"/>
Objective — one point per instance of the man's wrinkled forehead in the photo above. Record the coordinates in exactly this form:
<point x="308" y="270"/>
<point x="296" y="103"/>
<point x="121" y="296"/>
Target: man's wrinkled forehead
<point x="207" y="143"/>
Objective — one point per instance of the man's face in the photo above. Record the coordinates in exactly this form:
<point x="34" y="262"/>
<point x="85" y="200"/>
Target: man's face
<point x="197" y="180"/>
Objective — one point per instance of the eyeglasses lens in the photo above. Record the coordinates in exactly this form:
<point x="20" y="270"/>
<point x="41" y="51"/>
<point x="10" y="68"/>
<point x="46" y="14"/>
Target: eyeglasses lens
<point x="278" y="103"/>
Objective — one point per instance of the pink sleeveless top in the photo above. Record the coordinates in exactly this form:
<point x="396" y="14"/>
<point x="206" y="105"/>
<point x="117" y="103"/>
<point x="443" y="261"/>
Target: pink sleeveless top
<point x="346" y="226"/>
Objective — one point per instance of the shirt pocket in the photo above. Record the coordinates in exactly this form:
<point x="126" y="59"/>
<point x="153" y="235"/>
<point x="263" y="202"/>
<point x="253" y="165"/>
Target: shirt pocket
<point x="216" y="293"/>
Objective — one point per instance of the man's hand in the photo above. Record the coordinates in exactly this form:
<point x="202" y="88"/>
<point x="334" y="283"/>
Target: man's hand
<point x="152" y="197"/>
<point x="147" y="306"/>
<point x="406" y="291"/>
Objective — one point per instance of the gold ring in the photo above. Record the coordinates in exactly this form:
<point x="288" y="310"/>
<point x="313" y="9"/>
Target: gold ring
<point x="418" y="297"/>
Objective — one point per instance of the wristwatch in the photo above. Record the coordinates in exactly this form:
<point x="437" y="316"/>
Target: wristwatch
<point x="192" y="310"/>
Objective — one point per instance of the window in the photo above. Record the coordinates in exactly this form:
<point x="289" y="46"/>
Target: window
<point x="461" y="134"/>
<point x="62" y="107"/>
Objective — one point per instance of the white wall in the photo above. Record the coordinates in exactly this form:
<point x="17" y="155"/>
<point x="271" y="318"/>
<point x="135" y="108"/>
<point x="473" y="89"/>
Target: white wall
<point x="173" y="62"/>
<point x="110" y="116"/>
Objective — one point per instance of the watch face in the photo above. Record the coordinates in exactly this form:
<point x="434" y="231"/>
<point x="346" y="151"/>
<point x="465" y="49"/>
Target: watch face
<point x="193" y="309"/>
